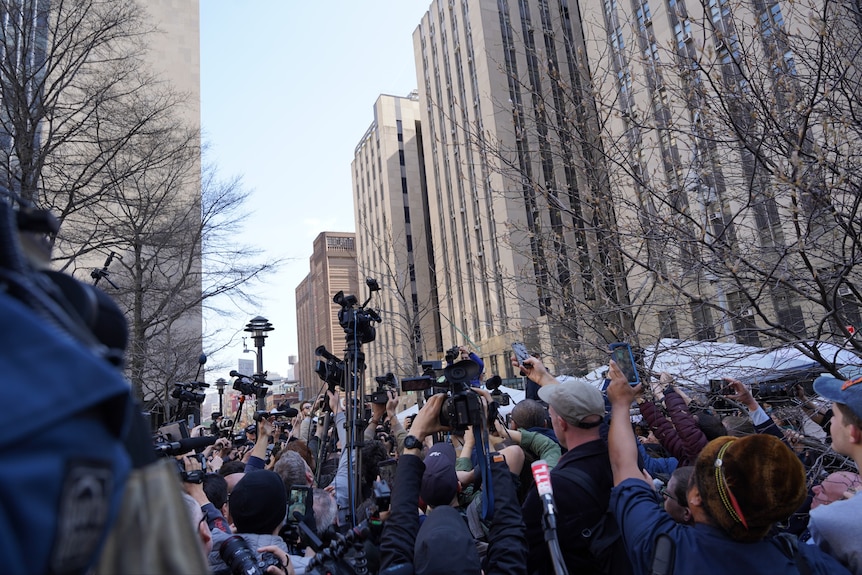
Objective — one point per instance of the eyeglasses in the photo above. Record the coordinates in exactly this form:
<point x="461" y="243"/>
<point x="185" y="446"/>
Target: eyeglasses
<point x="666" y="494"/>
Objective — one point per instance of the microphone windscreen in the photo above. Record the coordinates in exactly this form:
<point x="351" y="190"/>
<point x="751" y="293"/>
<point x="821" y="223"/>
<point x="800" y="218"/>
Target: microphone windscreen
<point x="542" y="476"/>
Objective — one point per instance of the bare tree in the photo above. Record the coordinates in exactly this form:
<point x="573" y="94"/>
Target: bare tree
<point x="701" y="186"/>
<point x="90" y="132"/>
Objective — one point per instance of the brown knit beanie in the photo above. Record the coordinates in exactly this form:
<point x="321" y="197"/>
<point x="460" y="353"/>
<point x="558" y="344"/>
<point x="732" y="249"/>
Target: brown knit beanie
<point x="749" y="483"/>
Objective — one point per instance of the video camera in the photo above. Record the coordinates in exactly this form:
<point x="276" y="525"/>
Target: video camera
<point x="462" y="407"/>
<point x="493" y="384"/>
<point x="189" y="392"/>
<point x="385" y="384"/>
<point x="330" y="369"/>
<point x="250" y="384"/>
<point x="282" y="412"/>
<point x="358" y="320"/>
<point x="452" y="354"/>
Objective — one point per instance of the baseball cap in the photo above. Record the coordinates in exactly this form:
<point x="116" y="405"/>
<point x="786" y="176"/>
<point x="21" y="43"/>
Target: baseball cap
<point x="573" y="400"/>
<point x="439" y="482"/>
<point x="845" y="391"/>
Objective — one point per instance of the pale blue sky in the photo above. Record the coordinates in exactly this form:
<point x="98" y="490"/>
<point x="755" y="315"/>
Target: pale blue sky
<point x="287" y="91"/>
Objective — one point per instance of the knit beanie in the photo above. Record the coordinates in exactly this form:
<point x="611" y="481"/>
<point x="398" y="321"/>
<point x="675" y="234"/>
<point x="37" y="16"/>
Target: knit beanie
<point x="258" y="502"/>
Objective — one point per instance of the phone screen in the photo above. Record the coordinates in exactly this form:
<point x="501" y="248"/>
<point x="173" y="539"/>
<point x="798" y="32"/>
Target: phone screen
<point x="298" y="502"/>
<point x="622" y="355"/>
<point x="386" y="470"/>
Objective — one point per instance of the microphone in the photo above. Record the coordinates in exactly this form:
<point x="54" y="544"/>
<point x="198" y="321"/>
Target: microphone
<point x="542" y="477"/>
<point x="185" y="445"/>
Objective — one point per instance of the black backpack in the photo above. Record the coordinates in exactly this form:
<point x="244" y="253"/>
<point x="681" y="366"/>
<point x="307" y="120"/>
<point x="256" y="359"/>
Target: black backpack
<point x="605" y="540"/>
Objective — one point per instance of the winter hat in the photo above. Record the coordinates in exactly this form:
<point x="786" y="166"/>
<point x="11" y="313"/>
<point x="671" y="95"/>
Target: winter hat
<point x="747" y="484"/>
<point x="439" y="482"/>
<point x="258" y="502"/>
<point x="444" y="545"/>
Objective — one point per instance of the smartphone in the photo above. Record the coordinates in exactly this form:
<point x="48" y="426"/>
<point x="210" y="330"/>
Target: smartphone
<point x="299" y="501"/>
<point x="521" y="352"/>
<point x="720" y="387"/>
<point x="622" y="354"/>
<point x="386" y="471"/>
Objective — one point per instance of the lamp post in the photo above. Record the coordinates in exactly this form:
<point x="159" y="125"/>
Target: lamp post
<point x="258" y="327"/>
<point x="220" y="383"/>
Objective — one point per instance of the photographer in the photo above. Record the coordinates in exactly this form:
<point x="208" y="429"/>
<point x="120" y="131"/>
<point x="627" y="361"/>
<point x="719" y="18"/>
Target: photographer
<point x="387" y="411"/>
<point x="460" y="353"/>
<point x="443" y="544"/>
<point x="258" y="504"/>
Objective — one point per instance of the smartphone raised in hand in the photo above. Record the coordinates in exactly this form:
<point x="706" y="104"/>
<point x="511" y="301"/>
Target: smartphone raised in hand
<point x="622" y="354"/>
<point x="299" y="500"/>
<point x="386" y="471"/>
<point x="520" y="351"/>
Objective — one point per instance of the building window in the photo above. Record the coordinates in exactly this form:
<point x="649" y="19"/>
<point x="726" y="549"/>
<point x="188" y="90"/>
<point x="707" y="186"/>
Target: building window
<point x="667" y="324"/>
<point x="701" y="315"/>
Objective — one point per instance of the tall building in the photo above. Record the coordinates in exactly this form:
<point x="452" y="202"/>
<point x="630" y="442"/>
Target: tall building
<point x="105" y="133"/>
<point x="394" y="238"/>
<point x="523" y="229"/>
<point x="722" y="118"/>
<point x="332" y="269"/>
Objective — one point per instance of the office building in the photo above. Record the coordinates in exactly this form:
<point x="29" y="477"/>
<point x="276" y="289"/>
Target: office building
<point x="394" y="239"/>
<point x="518" y="189"/>
<point x="332" y="269"/>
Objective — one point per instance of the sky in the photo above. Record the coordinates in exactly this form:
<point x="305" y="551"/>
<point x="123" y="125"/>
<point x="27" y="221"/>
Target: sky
<point x="287" y="92"/>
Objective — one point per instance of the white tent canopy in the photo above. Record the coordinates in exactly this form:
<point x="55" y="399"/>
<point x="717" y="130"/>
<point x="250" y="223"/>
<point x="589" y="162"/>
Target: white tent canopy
<point x="694" y="363"/>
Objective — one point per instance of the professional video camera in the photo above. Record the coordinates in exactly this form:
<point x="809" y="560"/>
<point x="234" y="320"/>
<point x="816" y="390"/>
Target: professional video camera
<point x="250" y="384"/>
<point x="188" y="392"/>
<point x="462" y="407"/>
<point x="330" y="369"/>
<point x="283" y="411"/>
<point x="242" y="559"/>
<point x="385" y="384"/>
<point x="493" y="384"/>
<point x="452" y="354"/>
<point x="358" y="320"/>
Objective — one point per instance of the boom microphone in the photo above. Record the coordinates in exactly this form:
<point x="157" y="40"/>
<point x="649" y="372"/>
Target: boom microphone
<point x="185" y="445"/>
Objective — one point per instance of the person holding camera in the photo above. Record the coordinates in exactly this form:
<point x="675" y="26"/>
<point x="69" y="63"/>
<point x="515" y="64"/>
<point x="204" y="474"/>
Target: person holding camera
<point x="443" y="544"/>
<point x="461" y="353"/>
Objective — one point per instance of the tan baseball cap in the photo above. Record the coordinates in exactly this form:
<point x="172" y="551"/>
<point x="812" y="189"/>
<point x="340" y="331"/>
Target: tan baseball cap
<point x="574" y="400"/>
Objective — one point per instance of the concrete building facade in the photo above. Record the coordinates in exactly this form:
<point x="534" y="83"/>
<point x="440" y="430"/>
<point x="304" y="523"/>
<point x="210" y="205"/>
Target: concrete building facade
<point x="394" y="239"/>
<point x="333" y="268"/>
<point x="518" y="189"/>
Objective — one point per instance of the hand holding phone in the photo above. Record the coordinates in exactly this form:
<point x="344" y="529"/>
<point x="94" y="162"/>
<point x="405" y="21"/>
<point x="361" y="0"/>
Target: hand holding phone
<point x="622" y="355"/>
<point x="520" y="351"/>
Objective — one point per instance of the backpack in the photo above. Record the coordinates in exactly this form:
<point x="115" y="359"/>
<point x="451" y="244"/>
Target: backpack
<point x="605" y="540"/>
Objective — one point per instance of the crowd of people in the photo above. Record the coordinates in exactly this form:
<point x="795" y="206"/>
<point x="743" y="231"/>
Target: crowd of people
<point x="643" y="479"/>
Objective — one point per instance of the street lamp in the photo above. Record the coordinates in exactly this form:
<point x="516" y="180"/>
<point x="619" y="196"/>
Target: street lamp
<point x="258" y="328"/>
<point x="220" y="383"/>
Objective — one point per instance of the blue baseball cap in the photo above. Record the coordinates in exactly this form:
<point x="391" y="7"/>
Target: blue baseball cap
<point x="844" y="391"/>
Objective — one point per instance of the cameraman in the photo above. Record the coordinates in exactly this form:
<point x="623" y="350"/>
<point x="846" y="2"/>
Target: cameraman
<point x="443" y="544"/>
<point x="460" y="353"/>
<point x="387" y="411"/>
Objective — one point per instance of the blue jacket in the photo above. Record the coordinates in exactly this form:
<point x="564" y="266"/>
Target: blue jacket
<point x="701" y="548"/>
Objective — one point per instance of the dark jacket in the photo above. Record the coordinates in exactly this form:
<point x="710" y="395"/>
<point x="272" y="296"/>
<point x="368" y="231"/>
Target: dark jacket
<point x="401" y="539"/>
<point x="681" y="436"/>
<point x="576" y="509"/>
